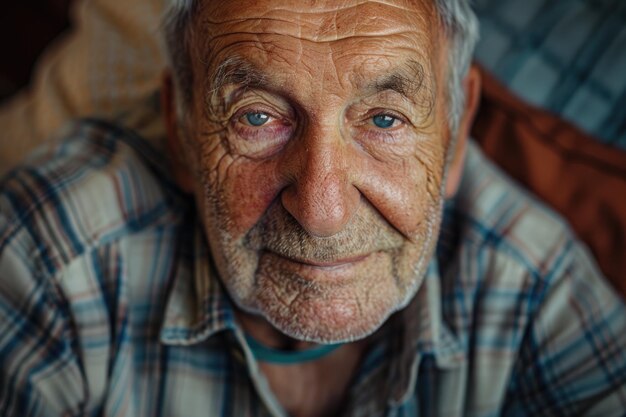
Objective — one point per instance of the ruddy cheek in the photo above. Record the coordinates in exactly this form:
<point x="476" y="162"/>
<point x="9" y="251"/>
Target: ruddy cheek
<point x="399" y="195"/>
<point x="249" y="191"/>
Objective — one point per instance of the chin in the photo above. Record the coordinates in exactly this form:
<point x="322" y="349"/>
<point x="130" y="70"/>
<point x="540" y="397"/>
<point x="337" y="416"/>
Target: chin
<point x="326" y="321"/>
<point x="330" y="311"/>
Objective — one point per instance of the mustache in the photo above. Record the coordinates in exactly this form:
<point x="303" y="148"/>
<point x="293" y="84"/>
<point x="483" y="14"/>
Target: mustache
<point x="279" y="232"/>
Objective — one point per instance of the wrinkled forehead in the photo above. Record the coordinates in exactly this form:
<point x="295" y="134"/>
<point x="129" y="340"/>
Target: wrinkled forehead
<point x="408" y="24"/>
<point x="362" y="37"/>
<point x="320" y="21"/>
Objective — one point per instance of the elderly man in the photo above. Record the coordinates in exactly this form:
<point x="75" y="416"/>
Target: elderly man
<point x="322" y="241"/>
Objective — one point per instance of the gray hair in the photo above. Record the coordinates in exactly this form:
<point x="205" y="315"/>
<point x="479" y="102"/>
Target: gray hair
<point x="456" y="16"/>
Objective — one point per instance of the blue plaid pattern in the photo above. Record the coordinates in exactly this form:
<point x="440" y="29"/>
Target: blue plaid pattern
<point x="568" y="56"/>
<point x="109" y="304"/>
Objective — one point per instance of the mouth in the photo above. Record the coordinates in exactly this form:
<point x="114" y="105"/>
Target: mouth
<point x="324" y="265"/>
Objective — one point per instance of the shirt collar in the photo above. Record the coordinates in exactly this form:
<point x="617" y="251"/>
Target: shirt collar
<point x="198" y="307"/>
<point x="420" y="330"/>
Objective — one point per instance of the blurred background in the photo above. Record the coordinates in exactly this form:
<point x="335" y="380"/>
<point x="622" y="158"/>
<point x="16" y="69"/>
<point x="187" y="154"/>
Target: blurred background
<point x="26" y="27"/>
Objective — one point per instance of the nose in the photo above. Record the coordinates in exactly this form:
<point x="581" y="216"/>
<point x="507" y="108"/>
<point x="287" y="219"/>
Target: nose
<point x="321" y="195"/>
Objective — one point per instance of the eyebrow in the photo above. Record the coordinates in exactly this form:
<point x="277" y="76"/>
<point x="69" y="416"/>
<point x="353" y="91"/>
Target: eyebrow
<point x="407" y="79"/>
<point x="235" y="70"/>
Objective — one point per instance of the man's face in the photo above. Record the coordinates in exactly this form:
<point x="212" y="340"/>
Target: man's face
<point x="316" y="142"/>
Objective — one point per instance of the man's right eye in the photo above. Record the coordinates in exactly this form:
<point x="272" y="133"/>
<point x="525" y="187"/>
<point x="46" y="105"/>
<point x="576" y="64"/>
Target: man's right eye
<point x="255" y="119"/>
<point x="259" y="133"/>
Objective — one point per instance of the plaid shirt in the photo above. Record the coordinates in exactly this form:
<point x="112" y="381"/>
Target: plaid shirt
<point x="109" y="304"/>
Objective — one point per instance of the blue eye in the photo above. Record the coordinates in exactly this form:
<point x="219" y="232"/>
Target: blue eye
<point x="256" y="119"/>
<point x="383" y="121"/>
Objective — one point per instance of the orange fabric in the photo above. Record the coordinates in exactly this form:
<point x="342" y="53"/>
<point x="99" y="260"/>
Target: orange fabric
<point x="578" y="176"/>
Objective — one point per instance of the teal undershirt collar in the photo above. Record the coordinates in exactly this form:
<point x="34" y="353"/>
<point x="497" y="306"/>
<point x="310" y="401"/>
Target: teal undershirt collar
<point x="263" y="353"/>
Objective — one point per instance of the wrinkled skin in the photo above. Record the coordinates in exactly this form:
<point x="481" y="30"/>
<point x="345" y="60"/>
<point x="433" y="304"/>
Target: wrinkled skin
<point x="320" y="220"/>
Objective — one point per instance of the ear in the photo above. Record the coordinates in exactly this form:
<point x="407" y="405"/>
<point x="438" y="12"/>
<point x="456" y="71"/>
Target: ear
<point x="471" y="87"/>
<point x="178" y="165"/>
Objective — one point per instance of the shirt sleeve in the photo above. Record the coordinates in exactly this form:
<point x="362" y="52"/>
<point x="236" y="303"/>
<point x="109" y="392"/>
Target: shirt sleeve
<point x="40" y="370"/>
<point x="573" y="359"/>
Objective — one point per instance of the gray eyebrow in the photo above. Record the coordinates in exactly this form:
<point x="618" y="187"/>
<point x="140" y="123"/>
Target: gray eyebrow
<point x="407" y="80"/>
<point x="235" y="70"/>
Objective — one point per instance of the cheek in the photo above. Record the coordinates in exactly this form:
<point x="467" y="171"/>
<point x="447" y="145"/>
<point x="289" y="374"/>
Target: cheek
<point x="406" y="191"/>
<point x="249" y="191"/>
<point x="237" y="190"/>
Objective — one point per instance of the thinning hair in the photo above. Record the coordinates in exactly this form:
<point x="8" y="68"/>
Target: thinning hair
<point x="456" y="17"/>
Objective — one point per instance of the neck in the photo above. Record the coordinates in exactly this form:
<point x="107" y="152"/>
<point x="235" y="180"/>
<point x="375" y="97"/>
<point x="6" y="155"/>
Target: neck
<point x="266" y="334"/>
<point x="311" y="388"/>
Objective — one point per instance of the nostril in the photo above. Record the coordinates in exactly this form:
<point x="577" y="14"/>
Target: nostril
<point x="323" y="209"/>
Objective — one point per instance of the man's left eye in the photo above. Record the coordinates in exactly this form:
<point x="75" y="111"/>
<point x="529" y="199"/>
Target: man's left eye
<point x="384" y="121"/>
<point x="255" y="119"/>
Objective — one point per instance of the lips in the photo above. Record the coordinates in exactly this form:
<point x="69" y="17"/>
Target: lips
<point x="339" y="263"/>
<point x="342" y="272"/>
